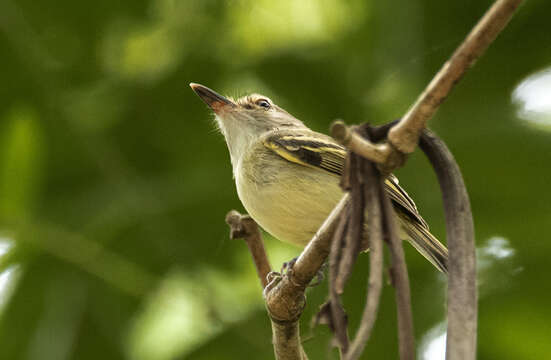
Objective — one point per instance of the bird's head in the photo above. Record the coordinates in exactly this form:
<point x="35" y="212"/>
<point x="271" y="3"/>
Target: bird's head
<point x="244" y="120"/>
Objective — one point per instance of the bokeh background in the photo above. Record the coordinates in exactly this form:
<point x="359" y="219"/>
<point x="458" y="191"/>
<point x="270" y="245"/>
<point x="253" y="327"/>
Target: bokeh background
<point x="114" y="183"/>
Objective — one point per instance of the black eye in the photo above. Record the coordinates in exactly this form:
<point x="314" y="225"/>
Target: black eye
<point x="263" y="103"/>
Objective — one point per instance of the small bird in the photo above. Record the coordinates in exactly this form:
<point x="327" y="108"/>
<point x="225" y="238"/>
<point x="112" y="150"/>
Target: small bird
<point x="287" y="176"/>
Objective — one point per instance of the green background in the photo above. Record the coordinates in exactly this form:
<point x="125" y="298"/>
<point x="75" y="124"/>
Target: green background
<point x="114" y="184"/>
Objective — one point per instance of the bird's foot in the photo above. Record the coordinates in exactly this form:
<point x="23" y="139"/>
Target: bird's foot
<point x="287" y="269"/>
<point x="287" y="266"/>
<point x="273" y="278"/>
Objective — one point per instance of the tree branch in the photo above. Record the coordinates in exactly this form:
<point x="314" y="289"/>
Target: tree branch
<point x="400" y="281"/>
<point x="285" y="299"/>
<point x="338" y="320"/>
<point x="462" y="293"/>
<point x="285" y="334"/>
<point x="404" y="137"/>
<point x="285" y="295"/>
<point x="312" y="258"/>
<point x="286" y="341"/>
<point x="375" y="283"/>
<point x="244" y="227"/>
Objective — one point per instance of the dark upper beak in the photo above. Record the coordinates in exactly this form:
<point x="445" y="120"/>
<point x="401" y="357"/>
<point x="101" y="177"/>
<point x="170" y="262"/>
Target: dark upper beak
<point x="216" y="101"/>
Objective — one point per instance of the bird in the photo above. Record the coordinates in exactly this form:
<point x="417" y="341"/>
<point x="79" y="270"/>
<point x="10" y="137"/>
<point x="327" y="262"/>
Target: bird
<point x="287" y="175"/>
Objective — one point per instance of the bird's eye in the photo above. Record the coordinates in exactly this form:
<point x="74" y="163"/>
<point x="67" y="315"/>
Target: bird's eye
<point x="263" y="103"/>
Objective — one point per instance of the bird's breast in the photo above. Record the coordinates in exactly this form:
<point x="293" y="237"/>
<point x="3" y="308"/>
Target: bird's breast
<point x="288" y="200"/>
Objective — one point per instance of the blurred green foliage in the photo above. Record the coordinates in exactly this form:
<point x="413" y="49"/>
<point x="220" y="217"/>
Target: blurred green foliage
<point x="114" y="183"/>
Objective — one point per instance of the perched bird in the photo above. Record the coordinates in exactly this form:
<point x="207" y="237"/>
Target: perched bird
<point x="287" y="176"/>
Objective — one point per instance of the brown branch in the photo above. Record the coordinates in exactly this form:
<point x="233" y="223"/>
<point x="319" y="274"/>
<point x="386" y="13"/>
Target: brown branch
<point x="375" y="283"/>
<point x="244" y="227"/>
<point x="285" y="299"/>
<point x="400" y="281"/>
<point x="338" y="320"/>
<point x="286" y="341"/>
<point x="314" y="254"/>
<point x="378" y="153"/>
<point x="347" y="242"/>
<point x="284" y="295"/>
<point x="352" y="181"/>
<point x="462" y="293"/>
<point x="404" y="137"/>
<point x="285" y="334"/>
<point x="365" y="183"/>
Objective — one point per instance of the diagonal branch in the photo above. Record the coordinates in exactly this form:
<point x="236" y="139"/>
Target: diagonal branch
<point x="285" y="299"/>
<point x="404" y="137"/>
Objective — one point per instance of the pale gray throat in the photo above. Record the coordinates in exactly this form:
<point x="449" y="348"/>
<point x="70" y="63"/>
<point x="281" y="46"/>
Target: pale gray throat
<point x="239" y="137"/>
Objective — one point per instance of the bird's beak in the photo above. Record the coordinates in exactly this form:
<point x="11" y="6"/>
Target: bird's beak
<point x="214" y="100"/>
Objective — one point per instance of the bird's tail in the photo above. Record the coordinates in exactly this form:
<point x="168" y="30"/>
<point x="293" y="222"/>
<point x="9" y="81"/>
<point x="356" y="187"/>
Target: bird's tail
<point x="428" y="245"/>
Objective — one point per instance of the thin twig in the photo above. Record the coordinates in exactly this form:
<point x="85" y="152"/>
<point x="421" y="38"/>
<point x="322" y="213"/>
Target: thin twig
<point x="462" y="293"/>
<point x="400" y="281"/>
<point x="243" y="226"/>
<point x="375" y="283"/>
<point x="355" y="234"/>
<point x="338" y="315"/>
<point x="378" y="153"/>
<point x="404" y="137"/>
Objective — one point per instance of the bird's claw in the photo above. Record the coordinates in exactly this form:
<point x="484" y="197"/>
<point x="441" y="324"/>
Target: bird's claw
<point x="287" y="266"/>
<point x="287" y="270"/>
<point x="273" y="279"/>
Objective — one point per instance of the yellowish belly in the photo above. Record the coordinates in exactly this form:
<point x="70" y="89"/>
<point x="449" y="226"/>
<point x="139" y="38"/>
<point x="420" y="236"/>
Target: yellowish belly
<point x="290" y="207"/>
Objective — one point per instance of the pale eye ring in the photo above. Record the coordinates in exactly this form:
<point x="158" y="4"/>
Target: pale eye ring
<point x="263" y="103"/>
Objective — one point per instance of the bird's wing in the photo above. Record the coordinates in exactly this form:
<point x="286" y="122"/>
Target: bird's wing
<point x="323" y="153"/>
<point x="401" y="199"/>
<point x="308" y="151"/>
